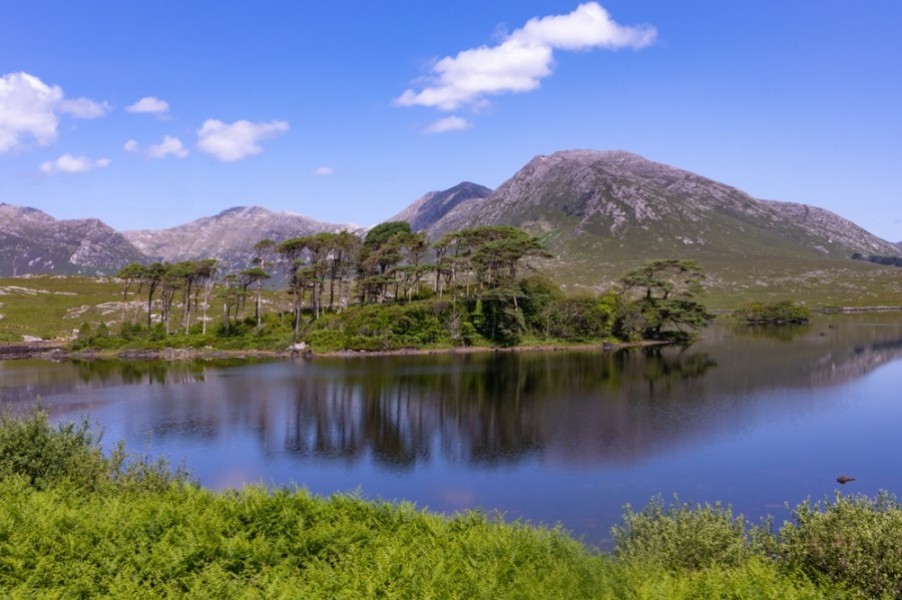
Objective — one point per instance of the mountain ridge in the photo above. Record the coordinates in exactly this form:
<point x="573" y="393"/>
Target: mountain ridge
<point x="33" y="242"/>
<point x="229" y="236"/>
<point x="611" y="194"/>
<point x="600" y="212"/>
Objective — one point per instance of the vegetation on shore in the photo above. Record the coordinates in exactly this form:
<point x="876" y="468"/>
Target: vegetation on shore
<point x="77" y="522"/>
<point x="381" y="293"/>
<point x="784" y="312"/>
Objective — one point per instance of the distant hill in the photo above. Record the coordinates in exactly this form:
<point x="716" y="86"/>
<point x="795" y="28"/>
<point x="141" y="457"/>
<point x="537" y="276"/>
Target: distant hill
<point x="435" y="206"/>
<point x="603" y="212"/>
<point x="229" y="236"/>
<point x="32" y="241"/>
<point x="599" y="212"/>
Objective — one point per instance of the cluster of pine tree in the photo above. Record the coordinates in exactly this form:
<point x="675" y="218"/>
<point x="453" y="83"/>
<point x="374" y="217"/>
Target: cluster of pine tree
<point x="394" y="289"/>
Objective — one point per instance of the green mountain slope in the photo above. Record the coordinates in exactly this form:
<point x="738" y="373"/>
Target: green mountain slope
<point x="602" y="213"/>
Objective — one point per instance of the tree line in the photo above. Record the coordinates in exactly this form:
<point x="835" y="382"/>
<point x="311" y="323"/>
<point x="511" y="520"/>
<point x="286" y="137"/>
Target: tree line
<point x="474" y="285"/>
<point x="889" y="261"/>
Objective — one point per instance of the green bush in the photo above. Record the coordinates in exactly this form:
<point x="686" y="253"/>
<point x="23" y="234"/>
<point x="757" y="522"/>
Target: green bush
<point x="853" y="540"/>
<point x="379" y="327"/>
<point x="579" y="318"/>
<point x="684" y="536"/>
<point x="45" y="455"/>
<point x="70" y="453"/>
<point x="776" y="313"/>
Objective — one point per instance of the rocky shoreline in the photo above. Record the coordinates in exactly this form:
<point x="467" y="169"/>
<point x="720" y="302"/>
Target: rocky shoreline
<point x="9" y="351"/>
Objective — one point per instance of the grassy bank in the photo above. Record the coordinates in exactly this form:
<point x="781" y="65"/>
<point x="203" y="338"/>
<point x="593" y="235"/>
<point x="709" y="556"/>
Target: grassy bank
<point x="76" y="522"/>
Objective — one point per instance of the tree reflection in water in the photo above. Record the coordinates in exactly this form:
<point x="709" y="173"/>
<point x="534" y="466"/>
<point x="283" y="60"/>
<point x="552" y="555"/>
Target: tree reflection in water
<point x="484" y="410"/>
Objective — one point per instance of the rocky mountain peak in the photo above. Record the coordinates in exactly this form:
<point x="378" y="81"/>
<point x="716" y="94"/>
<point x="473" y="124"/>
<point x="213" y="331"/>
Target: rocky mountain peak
<point x="613" y="205"/>
<point x="32" y="241"/>
<point x="228" y="236"/>
<point x="423" y="213"/>
<point x="597" y="210"/>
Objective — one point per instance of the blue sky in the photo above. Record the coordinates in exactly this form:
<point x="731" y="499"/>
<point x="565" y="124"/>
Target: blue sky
<point x="148" y="115"/>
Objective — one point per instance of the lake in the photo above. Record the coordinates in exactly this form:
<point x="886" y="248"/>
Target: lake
<point x="755" y="418"/>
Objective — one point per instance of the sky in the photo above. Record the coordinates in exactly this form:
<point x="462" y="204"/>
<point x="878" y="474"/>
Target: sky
<point x="152" y="114"/>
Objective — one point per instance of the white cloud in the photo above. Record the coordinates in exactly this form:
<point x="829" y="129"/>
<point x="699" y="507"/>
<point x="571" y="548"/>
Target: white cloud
<point x="452" y="123"/>
<point x="130" y="146"/>
<point x="323" y="171"/>
<point x="31" y="108"/>
<point x="83" y="108"/>
<point x="589" y="26"/>
<point x="231" y="142"/>
<point x="149" y="104"/>
<point x="522" y="59"/>
<point x="170" y="146"/>
<point x="73" y="164"/>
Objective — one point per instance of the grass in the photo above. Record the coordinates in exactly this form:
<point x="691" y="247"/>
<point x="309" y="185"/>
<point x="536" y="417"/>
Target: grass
<point x="53" y="307"/>
<point x="77" y="523"/>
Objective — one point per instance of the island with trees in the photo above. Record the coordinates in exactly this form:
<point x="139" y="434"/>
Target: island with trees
<point x="394" y="290"/>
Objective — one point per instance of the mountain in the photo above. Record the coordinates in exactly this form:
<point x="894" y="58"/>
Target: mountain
<point x="602" y="212"/>
<point x="32" y="241"/>
<point x="229" y="236"/>
<point x="434" y="206"/>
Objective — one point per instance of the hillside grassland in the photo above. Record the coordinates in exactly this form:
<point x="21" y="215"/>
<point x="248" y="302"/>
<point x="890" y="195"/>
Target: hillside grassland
<point x="51" y="307"/>
<point x="759" y="273"/>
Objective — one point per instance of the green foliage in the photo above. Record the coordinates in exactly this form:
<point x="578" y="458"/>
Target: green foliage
<point x="380" y="327"/>
<point x="78" y="524"/>
<point x="660" y="301"/>
<point x="774" y="313"/>
<point x="892" y="261"/>
<point x="683" y="536"/>
<point x="497" y="316"/>
<point x="851" y="545"/>
<point x="403" y="299"/>
<point x="539" y="295"/>
<point x="45" y="455"/>
<point x="852" y="540"/>
<point x="580" y="318"/>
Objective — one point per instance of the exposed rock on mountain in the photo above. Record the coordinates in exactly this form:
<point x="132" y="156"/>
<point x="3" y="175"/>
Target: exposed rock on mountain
<point x="434" y="206"/>
<point x="32" y="241"/>
<point x="229" y="236"/>
<point x="603" y="211"/>
<point x="600" y="213"/>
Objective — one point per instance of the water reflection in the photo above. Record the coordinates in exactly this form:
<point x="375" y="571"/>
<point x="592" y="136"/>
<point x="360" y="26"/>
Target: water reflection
<point x="783" y="333"/>
<point x="742" y="416"/>
<point x="482" y="410"/>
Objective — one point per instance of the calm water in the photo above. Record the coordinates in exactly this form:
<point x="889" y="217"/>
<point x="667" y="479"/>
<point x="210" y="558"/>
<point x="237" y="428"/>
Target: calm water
<point x="754" y="418"/>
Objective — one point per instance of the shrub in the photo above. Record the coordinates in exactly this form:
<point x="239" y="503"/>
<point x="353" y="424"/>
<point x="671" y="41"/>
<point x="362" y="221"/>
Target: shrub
<point x="382" y="327"/>
<point x="579" y="318"/>
<point x="852" y="540"/>
<point x="776" y="313"/>
<point x="70" y="453"/>
<point x="683" y="536"/>
<point x="46" y="455"/>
